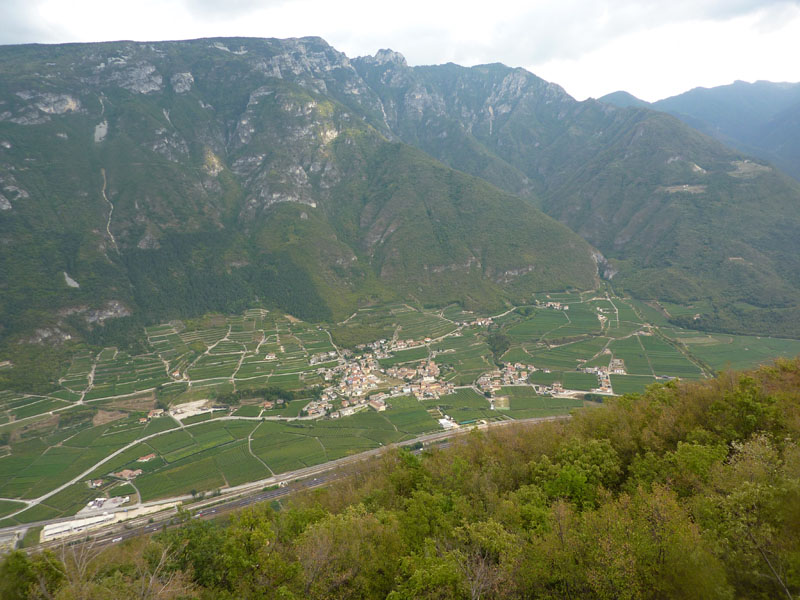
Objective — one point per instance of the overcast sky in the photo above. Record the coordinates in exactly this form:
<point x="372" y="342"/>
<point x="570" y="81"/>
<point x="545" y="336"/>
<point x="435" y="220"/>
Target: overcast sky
<point x="651" y="48"/>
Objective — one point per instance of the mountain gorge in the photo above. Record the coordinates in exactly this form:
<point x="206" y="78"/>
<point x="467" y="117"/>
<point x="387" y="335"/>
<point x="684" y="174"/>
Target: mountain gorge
<point x="143" y="181"/>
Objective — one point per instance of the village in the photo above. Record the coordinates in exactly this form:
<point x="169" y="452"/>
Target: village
<point x="358" y="381"/>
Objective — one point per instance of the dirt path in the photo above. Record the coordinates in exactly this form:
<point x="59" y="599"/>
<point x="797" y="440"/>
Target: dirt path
<point x="90" y="381"/>
<point x="206" y="353"/>
<point x="646" y="355"/>
<point x="236" y="370"/>
<point x="335" y="347"/>
<point x="253" y="454"/>
<point x="616" y="310"/>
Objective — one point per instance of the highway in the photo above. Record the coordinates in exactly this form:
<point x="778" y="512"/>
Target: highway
<point x="254" y="492"/>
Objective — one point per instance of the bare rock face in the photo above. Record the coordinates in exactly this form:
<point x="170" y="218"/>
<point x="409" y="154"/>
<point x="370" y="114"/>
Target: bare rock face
<point x="604" y="268"/>
<point x="212" y="164"/>
<point x="169" y="145"/>
<point x="31" y="117"/>
<point x="511" y="274"/>
<point x="37" y="107"/>
<point x="148" y="242"/>
<point x="387" y="55"/>
<point x="113" y="309"/>
<point x="100" y="131"/>
<point x="182" y="82"/>
<point x="10" y="191"/>
<point x="57" y="104"/>
<point x="142" y="79"/>
<point x="465" y="266"/>
<point x="48" y="335"/>
<point x="15" y="192"/>
<point x="70" y="281"/>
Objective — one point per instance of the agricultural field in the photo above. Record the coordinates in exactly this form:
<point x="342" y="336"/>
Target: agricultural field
<point x="570" y="355"/>
<point x="464" y="407"/>
<point x="724" y="352"/>
<point x="524" y="403"/>
<point x="417" y="325"/>
<point x="570" y="380"/>
<point x="630" y="384"/>
<point x="463" y="359"/>
<point x="104" y="413"/>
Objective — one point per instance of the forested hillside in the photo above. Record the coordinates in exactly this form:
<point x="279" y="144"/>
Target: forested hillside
<point x="686" y="491"/>
<point x="760" y="118"/>
<point x="679" y="216"/>
<point x="144" y="182"/>
<point x="151" y="181"/>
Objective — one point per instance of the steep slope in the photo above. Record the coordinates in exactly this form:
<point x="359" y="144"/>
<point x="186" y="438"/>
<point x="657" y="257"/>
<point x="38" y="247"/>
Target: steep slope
<point x="779" y="139"/>
<point x="155" y="181"/>
<point x="169" y="179"/>
<point x="680" y="216"/>
<point x="761" y="118"/>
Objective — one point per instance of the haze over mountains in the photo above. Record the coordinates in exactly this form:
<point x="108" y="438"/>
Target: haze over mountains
<point x="762" y="118"/>
<point x="143" y="181"/>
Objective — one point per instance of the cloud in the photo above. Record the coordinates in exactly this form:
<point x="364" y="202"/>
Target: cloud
<point x="576" y="36"/>
<point x="571" y="28"/>
<point x="672" y="58"/>
<point x="229" y="9"/>
<point x="20" y="24"/>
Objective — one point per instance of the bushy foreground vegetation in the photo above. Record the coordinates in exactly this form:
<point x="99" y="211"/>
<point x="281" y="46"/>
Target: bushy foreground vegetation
<point x="687" y="491"/>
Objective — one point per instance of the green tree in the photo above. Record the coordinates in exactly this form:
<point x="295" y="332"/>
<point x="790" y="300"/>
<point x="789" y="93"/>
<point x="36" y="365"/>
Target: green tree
<point x="498" y="343"/>
<point x="23" y="577"/>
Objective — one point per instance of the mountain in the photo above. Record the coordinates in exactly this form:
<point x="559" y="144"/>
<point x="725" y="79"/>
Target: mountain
<point x="780" y="139"/>
<point x="624" y="100"/>
<point x="154" y="181"/>
<point x="679" y="216"/>
<point x="761" y="118"/>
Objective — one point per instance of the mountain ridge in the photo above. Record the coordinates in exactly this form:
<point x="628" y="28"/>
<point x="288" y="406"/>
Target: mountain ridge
<point x="759" y="118"/>
<point x="624" y="179"/>
<point x="180" y="178"/>
<point x="222" y="155"/>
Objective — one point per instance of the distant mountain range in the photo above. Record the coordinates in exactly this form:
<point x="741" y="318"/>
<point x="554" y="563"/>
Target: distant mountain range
<point x="761" y="118"/>
<point x="149" y="181"/>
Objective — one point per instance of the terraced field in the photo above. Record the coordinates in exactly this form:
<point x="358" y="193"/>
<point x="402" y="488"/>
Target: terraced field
<point x="97" y="420"/>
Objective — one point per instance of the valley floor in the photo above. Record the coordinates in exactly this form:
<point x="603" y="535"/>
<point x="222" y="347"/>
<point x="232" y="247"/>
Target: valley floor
<point x="226" y="400"/>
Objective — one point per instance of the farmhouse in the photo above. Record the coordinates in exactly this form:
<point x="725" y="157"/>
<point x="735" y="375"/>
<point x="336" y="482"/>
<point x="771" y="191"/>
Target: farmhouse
<point x="128" y="473"/>
<point x="377" y="404"/>
<point x="617" y="366"/>
<point x="448" y="423"/>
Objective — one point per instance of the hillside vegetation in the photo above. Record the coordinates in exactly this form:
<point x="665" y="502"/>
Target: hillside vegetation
<point x="146" y="182"/>
<point x="679" y="216"/>
<point x="141" y="182"/>
<point x="760" y="118"/>
<point x="686" y="491"/>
